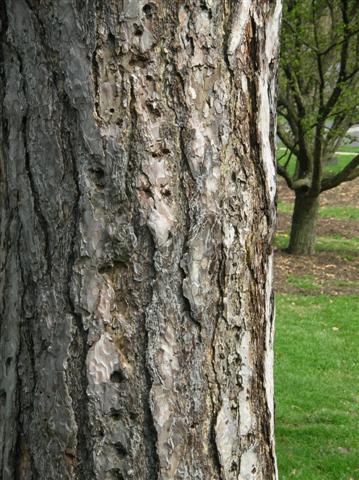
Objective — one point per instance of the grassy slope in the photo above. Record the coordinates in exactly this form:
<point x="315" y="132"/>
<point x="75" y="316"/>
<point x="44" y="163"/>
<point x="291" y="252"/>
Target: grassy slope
<point x="317" y="388"/>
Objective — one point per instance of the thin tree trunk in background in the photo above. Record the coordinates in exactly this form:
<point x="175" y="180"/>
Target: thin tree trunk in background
<point x="304" y="219"/>
<point x="137" y="213"/>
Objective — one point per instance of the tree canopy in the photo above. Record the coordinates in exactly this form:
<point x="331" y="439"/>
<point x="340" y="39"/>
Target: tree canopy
<point x="318" y="90"/>
<point x="319" y="79"/>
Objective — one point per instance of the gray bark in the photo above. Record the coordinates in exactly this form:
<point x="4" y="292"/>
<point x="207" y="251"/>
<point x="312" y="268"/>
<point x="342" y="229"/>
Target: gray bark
<point x="137" y="213"/>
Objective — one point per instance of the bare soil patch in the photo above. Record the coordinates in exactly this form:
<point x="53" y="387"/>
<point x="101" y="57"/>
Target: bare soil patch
<point x="331" y="273"/>
<point x="346" y="194"/>
<point x="325" y="226"/>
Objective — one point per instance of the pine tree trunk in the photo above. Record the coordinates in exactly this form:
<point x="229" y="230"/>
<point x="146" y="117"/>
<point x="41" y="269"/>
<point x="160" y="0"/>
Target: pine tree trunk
<point x="304" y="219"/>
<point x="137" y="214"/>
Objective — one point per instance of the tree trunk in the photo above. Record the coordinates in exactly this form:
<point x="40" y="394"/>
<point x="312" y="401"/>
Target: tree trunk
<point x="304" y="219"/>
<point x="137" y="214"/>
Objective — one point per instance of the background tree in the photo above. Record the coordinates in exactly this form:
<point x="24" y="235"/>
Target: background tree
<point x="318" y="102"/>
<point x="137" y="213"/>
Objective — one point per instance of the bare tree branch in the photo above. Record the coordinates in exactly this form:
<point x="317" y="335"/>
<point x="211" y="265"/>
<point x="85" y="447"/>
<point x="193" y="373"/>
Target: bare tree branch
<point x="286" y="140"/>
<point x="337" y="44"/>
<point x="283" y="173"/>
<point x="327" y="108"/>
<point x="350" y="172"/>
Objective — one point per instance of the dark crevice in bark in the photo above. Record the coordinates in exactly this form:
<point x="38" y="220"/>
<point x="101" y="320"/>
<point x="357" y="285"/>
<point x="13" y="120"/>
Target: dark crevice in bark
<point x="19" y="423"/>
<point x="4" y="26"/>
<point x="227" y="28"/>
<point x="95" y="76"/>
<point x="252" y="82"/>
<point x="184" y="161"/>
<point x="150" y="432"/>
<point x="267" y="417"/>
<point x="186" y="302"/>
<point x="2" y="402"/>
<point x="259" y="339"/>
<point x="150" y="428"/>
<point x="186" y="200"/>
<point x="131" y="143"/>
<point x="78" y="384"/>
<point x="40" y="31"/>
<point x="263" y="410"/>
<point x="36" y="200"/>
<point x="26" y="336"/>
<point x="188" y="219"/>
<point x="4" y="149"/>
<point x="219" y="317"/>
<point x="213" y="442"/>
<point x="30" y="382"/>
<point x="4" y="124"/>
<point x="40" y="27"/>
<point x="78" y="391"/>
<point x="84" y="467"/>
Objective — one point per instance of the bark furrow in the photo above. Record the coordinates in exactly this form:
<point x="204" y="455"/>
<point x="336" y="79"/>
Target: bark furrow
<point x="137" y="214"/>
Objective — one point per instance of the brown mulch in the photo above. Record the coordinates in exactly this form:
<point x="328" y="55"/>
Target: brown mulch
<point x="332" y="273"/>
<point x="325" y="226"/>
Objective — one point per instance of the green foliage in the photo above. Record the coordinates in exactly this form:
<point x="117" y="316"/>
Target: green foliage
<point x="317" y="408"/>
<point x="318" y="89"/>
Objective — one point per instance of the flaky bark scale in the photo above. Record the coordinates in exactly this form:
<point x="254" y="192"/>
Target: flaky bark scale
<point x="137" y="219"/>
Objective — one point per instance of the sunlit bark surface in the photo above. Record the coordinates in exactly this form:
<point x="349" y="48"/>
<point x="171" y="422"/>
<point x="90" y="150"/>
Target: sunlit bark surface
<point x="137" y="212"/>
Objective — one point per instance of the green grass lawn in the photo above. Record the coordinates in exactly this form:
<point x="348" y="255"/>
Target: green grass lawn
<point x="342" y="213"/>
<point x="348" y="148"/>
<point x="341" y="160"/>
<point x="317" y="387"/>
<point x="334" y="243"/>
<point x="317" y="358"/>
<point x="309" y="282"/>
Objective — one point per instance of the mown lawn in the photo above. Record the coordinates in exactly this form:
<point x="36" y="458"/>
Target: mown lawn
<point x="340" y="160"/>
<point x="333" y="243"/>
<point x="317" y="345"/>
<point x="327" y="211"/>
<point x="317" y="387"/>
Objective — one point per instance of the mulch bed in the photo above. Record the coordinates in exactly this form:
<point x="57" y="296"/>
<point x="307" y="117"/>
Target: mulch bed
<point x="325" y="227"/>
<point x="331" y="272"/>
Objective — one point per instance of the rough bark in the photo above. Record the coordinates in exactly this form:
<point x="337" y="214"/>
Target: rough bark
<point x="304" y="219"/>
<point x="137" y="213"/>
